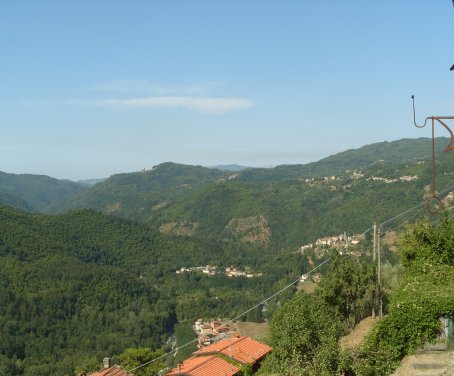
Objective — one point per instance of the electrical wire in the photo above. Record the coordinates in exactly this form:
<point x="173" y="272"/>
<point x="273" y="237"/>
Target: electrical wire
<point x="401" y="214"/>
<point x="404" y="222"/>
<point x="446" y="189"/>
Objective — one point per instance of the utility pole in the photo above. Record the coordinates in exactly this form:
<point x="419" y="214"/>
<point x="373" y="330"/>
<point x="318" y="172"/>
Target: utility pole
<point x="374" y="298"/>
<point x="380" y="312"/>
<point x="375" y="240"/>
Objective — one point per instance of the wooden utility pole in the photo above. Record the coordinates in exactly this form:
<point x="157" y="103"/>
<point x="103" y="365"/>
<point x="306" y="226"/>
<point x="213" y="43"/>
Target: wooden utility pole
<point x="375" y="240"/>
<point x="374" y="292"/>
<point x="380" y="309"/>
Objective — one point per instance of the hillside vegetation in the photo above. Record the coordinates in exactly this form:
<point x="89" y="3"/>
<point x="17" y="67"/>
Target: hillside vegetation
<point x="139" y="195"/>
<point x="34" y="192"/>
<point x="282" y="207"/>
<point x="286" y="206"/>
<point x="84" y="285"/>
<point x="306" y="330"/>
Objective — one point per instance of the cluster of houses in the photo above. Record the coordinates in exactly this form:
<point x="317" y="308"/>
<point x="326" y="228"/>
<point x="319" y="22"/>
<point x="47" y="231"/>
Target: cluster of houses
<point x="210" y="332"/>
<point x="333" y="241"/>
<point x="230" y="177"/>
<point x="394" y="180"/>
<point x="212" y="270"/>
<point x="358" y="174"/>
<point x="208" y="270"/>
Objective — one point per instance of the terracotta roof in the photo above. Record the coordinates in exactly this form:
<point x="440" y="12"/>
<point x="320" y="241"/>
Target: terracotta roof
<point x="242" y="349"/>
<point x="111" y="371"/>
<point x="209" y="365"/>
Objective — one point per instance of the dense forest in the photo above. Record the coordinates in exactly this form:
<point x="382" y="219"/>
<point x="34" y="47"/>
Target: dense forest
<point x="84" y="284"/>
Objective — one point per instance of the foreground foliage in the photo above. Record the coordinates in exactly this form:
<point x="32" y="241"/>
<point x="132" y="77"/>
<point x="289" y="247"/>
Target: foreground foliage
<point x="425" y="294"/>
<point x="305" y="331"/>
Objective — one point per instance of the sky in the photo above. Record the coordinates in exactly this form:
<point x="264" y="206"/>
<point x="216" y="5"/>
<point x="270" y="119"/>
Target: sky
<point x="91" y="88"/>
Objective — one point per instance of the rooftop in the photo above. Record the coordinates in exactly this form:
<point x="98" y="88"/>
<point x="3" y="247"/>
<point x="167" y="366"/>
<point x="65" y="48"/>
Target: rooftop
<point x="212" y="361"/>
<point x="241" y="349"/>
<point x="111" y="371"/>
<point x="210" y="365"/>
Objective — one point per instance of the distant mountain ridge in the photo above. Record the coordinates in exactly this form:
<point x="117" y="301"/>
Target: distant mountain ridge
<point x="288" y="204"/>
<point x="34" y="192"/>
<point x="139" y="194"/>
<point x="230" y="167"/>
<point x="400" y="151"/>
<point x="283" y="206"/>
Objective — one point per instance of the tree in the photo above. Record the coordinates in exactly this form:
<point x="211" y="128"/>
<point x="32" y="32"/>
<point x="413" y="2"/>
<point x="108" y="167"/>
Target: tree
<point x="304" y="332"/>
<point x="90" y="364"/>
<point x="132" y="358"/>
<point x="348" y="287"/>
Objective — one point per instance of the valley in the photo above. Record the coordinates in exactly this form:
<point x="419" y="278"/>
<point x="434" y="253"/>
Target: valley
<point x="120" y="264"/>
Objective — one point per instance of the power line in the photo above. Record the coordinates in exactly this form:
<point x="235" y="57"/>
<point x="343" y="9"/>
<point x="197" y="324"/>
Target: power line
<point x="403" y="223"/>
<point x="232" y="320"/>
<point x="401" y="214"/>
<point x="447" y="188"/>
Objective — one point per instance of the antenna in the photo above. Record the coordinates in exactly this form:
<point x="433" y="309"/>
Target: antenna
<point x="433" y="198"/>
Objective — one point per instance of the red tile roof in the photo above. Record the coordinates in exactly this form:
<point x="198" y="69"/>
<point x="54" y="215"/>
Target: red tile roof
<point x="206" y="361"/>
<point x="111" y="371"/>
<point x="242" y="349"/>
<point x="209" y="365"/>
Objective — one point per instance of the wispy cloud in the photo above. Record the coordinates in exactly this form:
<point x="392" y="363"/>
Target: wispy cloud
<point x="136" y="94"/>
<point x="201" y="104"/>
<point x="206" y="105"/>
<point x="142" y="86"/>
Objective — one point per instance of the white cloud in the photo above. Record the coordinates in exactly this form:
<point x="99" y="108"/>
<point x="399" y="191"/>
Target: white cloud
<point x="142" y="86"/>
<point x="201" y="104"/>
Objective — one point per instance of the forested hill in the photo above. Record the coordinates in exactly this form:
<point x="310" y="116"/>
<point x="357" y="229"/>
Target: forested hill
<point x="84" y="284"/>
<point x="70" y="288"/>
<point x="400" y="151"/>
<point x="136" y="195"/>
<point x="15" y="202"/>
<point x="34" y="192"/>
<point x="286" y="212"/>
<point x="285" y="206"/>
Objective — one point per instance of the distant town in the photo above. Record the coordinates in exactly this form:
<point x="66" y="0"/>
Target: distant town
<point x="212" y="270"/>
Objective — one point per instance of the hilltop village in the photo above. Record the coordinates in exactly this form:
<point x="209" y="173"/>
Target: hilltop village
<point x="212" y="270"/>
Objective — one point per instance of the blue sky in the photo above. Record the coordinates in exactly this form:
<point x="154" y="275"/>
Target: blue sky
<point x="93" y="88"/>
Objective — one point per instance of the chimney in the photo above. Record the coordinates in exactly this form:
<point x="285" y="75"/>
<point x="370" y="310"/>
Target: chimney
<point x="106" y="363"/>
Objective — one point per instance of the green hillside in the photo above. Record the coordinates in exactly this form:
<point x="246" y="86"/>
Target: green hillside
<point x="70" y="288"/>
<point x="281" y="207"/>
<point x="400" y="151"/>
<point x="15" y="202"/>
<point x="138" y="195"/>
<point x="34" y="192"/>
<point x="84" y="284"/>
<point x="293" y="212"/>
